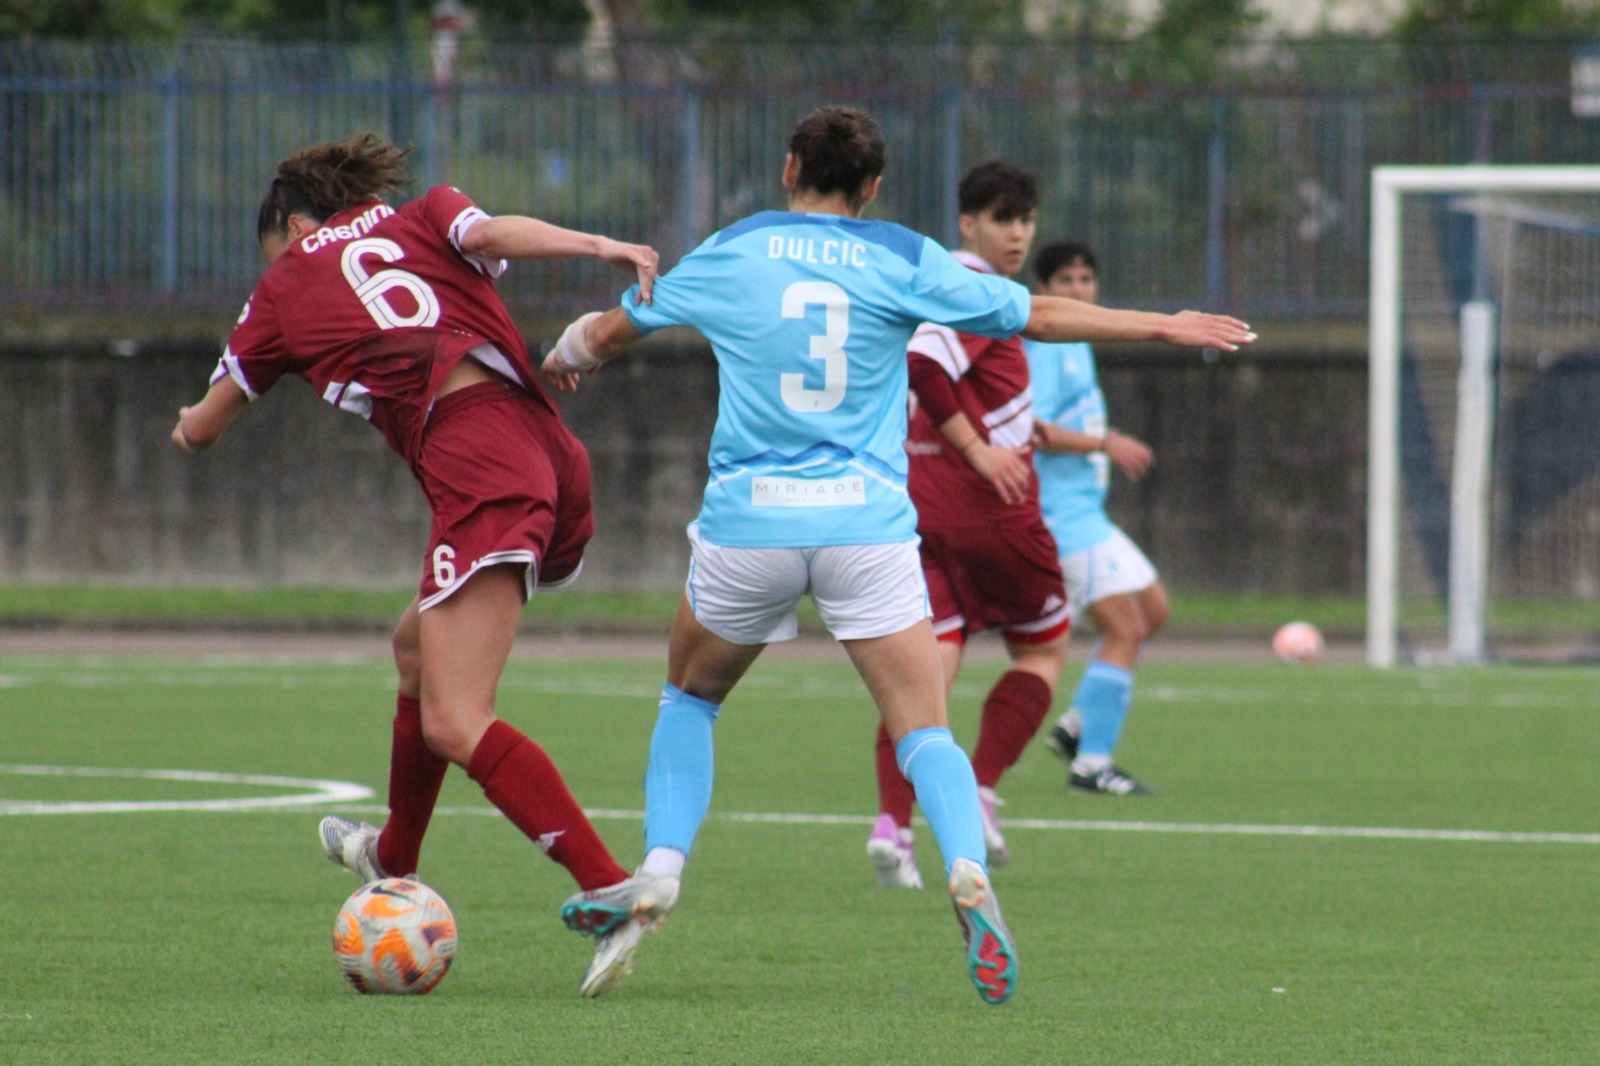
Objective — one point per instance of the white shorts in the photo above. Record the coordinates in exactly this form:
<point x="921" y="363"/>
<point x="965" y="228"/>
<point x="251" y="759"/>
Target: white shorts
<point x="748" y="595"/>
<point x="1110" y="568"/>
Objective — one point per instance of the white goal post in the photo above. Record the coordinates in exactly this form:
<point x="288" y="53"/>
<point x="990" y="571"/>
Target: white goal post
<point x="1474" y="427"/>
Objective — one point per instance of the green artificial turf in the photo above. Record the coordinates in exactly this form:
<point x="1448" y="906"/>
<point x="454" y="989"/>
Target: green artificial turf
<point x="1193" y="926"/>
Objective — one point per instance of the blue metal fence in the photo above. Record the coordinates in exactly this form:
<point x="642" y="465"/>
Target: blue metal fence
<point x="130" y="174"/>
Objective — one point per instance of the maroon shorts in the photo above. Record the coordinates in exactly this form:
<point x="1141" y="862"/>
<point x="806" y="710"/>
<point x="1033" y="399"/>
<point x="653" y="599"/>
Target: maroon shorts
<point x="1005" y="577"/>
<point x="507" y="483"/>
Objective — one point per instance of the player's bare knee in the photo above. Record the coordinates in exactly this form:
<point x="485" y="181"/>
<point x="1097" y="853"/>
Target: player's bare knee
<point x="407" y="659"/>
<point x="406" y="644"/>
<point x="450" y="736"/>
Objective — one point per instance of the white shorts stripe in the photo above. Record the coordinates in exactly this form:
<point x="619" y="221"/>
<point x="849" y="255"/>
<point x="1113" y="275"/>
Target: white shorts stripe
<point x="493" y="559"/>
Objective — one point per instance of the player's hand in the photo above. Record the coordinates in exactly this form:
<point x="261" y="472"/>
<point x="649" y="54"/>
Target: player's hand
<point x="178" y="437"/>
<point x="1007" y="469"/>
<point x="1197" y="329"/>
<point x="558" y="379"/>
<point x="1132" y="456"/>
<point x="640" y="259"/>
<point x="1039" y="436"/>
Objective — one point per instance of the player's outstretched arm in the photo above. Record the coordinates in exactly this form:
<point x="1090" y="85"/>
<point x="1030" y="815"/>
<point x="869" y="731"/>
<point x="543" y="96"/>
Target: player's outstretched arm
<point x="1130" y="454"/>
<point x="201" y="426"/>
<point x="1059" y="319"/>
<point x="586" y="345"/>
<point x="520" y="237"/>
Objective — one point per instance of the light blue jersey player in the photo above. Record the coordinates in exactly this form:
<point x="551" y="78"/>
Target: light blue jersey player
<point x="1072" y="487"/>
<point x="1107" y="576"/>
<point x="808" y="313"/>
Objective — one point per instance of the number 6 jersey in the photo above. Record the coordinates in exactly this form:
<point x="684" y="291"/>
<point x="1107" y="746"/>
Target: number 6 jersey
<point x="374" y="308"/>
<point x="809" y="316"/>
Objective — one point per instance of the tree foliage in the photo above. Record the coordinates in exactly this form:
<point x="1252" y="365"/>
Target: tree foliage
<point x="1187" y="31"/>
<point x="1500" y="18"/>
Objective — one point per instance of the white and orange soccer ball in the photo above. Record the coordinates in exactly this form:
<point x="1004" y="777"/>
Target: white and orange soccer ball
<point x="395" y="937"/>
<point x="1297" y="642"/>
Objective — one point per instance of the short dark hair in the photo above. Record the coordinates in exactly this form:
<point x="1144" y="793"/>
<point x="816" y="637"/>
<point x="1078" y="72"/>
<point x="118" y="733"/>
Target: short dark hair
<point x="1003" y="188"/>
<point x="1057" y="254"/>
<point x="839" y="149"/>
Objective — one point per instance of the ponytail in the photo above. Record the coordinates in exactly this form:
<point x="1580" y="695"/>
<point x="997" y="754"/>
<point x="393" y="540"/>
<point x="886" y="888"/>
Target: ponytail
<point x="326" y="178"/>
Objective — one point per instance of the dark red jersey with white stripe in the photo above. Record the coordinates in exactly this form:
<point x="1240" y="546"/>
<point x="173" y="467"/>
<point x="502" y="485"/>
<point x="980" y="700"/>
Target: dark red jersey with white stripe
<point x="989" y="379"/>
<point x="374" y="308"/>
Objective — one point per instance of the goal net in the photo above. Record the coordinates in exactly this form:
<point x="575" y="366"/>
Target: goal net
<point x="1484" y="464"/>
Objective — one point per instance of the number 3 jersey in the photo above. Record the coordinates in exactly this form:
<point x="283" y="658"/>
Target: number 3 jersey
<point x="374" y="308"/>
<point x="809" y="316"/>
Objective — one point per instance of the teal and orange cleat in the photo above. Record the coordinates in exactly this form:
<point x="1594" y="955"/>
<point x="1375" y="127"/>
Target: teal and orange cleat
<point x="991" y="953"/>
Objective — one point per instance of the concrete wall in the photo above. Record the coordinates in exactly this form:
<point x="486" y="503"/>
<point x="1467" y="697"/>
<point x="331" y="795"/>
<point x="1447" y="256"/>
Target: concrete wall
<point x="1259" y="483"/>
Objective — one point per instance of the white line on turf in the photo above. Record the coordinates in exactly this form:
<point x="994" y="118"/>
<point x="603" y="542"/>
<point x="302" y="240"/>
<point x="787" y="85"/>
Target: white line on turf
<point x="318" y="791"/>
<point x="1069" y="825"/>
<point x="347" y="794"/>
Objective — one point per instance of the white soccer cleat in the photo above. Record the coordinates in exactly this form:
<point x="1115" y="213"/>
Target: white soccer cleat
<point x="613" y="958"/>
<point x="353" y="845"/>
<point x="993" y="842"/>
<point x="889" y="848"/>
<point x="991" y="953"/>
<point x="618" y="916"/>
<point x="600" y="910"/>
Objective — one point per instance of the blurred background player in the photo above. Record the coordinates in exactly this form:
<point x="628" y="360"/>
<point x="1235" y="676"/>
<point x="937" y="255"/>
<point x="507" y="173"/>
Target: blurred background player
<point x="988" y="557"/>
<point x="1107" y="575"/>
<point x="391" y="313"/>
<point x="808" y="312"/>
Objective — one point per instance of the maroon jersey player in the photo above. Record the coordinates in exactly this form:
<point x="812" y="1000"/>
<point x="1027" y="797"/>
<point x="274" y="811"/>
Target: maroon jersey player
<point x="391" y="314"/>
<point x="990" y="562"/>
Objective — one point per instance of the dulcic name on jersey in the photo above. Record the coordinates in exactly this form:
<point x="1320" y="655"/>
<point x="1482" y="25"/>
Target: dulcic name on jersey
<point x="818" y="253"/>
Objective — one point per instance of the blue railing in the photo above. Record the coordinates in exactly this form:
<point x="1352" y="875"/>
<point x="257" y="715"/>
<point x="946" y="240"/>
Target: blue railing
<point x="130" y="174"/>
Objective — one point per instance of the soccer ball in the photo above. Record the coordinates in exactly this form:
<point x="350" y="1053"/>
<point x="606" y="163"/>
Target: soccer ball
<point x="1297" y="642"/>
<point x="394" y="937"/>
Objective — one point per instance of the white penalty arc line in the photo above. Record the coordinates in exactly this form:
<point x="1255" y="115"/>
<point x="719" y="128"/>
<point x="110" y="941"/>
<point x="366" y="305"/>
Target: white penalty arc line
<point x="314" y="792"/>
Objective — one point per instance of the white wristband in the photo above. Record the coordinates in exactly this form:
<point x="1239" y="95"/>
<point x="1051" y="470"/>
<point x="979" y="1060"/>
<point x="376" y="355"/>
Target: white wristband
<point x="571" y="353"/>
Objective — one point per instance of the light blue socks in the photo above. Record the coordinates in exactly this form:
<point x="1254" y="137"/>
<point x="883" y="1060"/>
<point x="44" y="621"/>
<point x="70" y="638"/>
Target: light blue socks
<point x="946" y="790"/>
<point x="1102" y="702"/>
<point x="677" y="781"/>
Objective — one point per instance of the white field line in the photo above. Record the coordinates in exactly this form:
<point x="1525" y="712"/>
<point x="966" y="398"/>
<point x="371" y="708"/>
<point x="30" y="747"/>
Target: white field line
<point x="319" y="791"/>
<point x="380" y="678"/>
<point x="347" y="795"/>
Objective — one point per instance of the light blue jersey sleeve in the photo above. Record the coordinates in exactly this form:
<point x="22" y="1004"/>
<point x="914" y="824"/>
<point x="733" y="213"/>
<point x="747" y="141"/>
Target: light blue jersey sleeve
<point x="950" y="293"/>
<point x="1072" y="488"/>
<point x="809" y="316"/>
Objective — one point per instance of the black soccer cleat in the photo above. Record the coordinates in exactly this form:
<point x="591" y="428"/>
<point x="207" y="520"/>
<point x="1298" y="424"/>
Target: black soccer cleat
<point x="1112" y="781"/>
<point x="1062" y="741"/>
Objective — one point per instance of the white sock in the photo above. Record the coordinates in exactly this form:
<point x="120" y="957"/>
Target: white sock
<point x="1089" y="765"/>
<point x="664" y="862"/>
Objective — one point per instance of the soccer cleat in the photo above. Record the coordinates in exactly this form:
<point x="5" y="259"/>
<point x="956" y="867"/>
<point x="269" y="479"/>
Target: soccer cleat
<point x="600" y="910"/>
<point x="889" y="848"/>
<point x="618" y="917"/>
<point x="613" y="958"/>
<point x="993" y="842"/>
<point x="353" y="845"/>
<point x="991" y="953"/>
<point x="1062" y="741"/>
<point x="1109" y="780"/>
